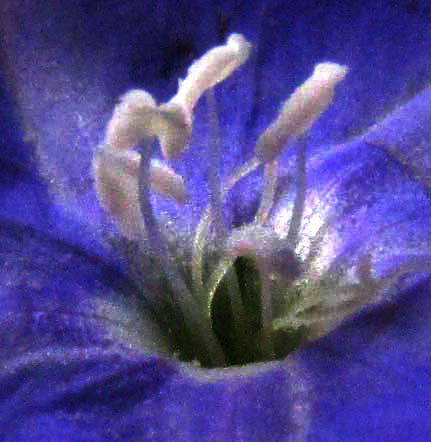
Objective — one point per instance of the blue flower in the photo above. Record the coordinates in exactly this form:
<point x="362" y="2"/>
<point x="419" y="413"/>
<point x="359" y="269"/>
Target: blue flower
<point x="83" y="354"/>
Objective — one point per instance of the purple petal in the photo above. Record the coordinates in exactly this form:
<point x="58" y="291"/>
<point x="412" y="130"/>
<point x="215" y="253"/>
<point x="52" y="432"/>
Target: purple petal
<point x="73" y="365"/>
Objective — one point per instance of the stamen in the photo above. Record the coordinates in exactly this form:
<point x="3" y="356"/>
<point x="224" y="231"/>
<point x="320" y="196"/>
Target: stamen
<point x="212" y="68"/>
<point x="174" y="129"/>
<point x="123" y="178"/>
<point x="270" y="171"/>
<point x="301" y="187"/>
<point x="116" y="175"/>
<point x="167" y="182"/>
<point x="300" y="110"/>
<point x="213" y="154"/>
<point x="206" y="220"/>
<point x="132" y="119"/>
<point x="117" y="190"/>
<point x="199" y="324"/>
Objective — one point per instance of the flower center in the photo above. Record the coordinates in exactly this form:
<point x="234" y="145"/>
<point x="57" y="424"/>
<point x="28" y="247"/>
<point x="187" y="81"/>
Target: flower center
<point x="243" y="296"/>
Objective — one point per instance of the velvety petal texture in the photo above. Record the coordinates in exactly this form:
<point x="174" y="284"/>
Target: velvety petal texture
<point x="82" y="355"/>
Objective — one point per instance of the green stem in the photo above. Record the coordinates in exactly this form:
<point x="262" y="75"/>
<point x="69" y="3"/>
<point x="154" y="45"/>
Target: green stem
<point x="225" y="269"/>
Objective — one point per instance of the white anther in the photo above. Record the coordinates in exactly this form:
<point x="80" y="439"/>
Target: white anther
<point x="300" y="110"/>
